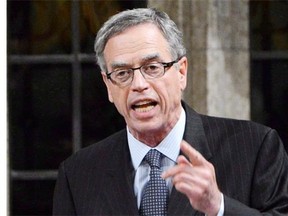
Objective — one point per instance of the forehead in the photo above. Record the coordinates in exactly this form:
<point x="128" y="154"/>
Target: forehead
<point x="136" y="44"/>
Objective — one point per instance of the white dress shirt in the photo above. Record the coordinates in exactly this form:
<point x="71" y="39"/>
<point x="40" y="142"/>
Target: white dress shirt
<point x="169" y="147"/>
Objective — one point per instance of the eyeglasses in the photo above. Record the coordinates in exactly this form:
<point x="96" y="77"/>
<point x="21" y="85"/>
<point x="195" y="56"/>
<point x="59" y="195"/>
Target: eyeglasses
<point x="124" y="77"/>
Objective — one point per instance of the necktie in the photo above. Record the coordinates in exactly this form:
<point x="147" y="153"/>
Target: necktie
<point x="155" y="194"/>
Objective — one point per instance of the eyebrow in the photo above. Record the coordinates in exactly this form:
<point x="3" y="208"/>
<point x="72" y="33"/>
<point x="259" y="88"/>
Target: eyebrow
<point x="150" y="57"/>
<point x="118" y="65"/>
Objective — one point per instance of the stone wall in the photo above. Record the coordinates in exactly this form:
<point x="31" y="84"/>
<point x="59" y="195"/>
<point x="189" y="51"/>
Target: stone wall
<point x="216" y="34"/>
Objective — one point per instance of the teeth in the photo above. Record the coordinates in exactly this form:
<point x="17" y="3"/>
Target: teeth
<point x="142" y="103"/>
<point x="144" y="106"/>
<point x="144" y="109"/>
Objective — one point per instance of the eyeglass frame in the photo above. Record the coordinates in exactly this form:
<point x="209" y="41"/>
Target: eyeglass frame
<point x="164" y="64"/>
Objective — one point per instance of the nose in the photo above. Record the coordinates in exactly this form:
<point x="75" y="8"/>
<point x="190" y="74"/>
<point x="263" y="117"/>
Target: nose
<point x="139" y="83"/>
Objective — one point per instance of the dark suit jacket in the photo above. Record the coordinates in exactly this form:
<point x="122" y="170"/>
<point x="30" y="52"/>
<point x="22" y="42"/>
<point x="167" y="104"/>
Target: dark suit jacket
<point x="250" y="162"/>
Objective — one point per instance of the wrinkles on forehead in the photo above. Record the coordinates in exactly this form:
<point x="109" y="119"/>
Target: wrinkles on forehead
<point x="127" y="49"/>
<point x="145" y="59"/>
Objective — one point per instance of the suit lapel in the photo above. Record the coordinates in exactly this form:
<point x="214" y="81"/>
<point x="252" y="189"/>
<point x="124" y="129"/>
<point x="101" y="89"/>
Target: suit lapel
<point x="179" y="204"/>
<point x="119" y="186"/>
<point x="195" y="136"/>
<point x="194" y="132"/>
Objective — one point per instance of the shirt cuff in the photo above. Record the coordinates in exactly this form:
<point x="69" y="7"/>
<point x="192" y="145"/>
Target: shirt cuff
<point x="221" y="210"/>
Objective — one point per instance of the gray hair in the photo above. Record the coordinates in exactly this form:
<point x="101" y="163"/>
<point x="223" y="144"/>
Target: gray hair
<point x="128" y="18"/>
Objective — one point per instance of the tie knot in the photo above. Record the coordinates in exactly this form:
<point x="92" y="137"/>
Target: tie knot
<point x="153" y="158"/>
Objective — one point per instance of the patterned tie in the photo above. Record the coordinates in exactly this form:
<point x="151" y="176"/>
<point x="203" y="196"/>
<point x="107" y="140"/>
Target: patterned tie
<point x="155" y="194"/>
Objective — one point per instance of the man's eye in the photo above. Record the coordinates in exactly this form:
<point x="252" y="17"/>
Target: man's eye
<point x="122" y="74"/>
<point x="152" y="68"/>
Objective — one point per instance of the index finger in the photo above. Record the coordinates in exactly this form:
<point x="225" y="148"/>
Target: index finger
<point x="193" y="155"/>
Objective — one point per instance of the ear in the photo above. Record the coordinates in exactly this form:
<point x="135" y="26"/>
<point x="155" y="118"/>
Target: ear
<point x="108" y="86"/>
<point x="183" y="67"/>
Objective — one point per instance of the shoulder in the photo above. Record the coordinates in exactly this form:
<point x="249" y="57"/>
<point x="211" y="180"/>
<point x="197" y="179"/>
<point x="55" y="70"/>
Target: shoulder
<point x="97" y="152"/>
<point x="227" y="133"/>
<point x="240" y="136"/>
<point x="233" y="126"/>
<point x="219" y="127"/>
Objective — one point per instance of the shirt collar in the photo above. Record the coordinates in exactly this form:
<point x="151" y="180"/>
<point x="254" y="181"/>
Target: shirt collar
<point x="169" y="146"/>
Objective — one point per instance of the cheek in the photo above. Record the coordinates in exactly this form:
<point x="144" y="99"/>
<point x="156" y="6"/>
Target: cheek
<point x="169" y="93"/>
<point x="175" y="86"/>
<point x="120" y="100"/>
<point x="173" y="93"/>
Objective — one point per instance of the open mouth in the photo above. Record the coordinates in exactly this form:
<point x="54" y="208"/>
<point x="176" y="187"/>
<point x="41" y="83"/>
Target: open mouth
<point x="144" y="106"/>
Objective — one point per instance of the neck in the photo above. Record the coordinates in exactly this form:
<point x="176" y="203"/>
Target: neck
<point x="153" y="138"/>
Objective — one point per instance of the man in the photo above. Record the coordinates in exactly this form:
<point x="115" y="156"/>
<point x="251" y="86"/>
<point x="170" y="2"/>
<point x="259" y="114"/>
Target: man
<point x="208" y="166"/>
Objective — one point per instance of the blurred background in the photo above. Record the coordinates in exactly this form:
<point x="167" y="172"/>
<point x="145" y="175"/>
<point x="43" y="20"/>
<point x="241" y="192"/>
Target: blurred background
<point x="57" y="102"/>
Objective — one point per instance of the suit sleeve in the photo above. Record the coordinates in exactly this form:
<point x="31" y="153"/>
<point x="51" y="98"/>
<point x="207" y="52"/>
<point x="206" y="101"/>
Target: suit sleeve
<point x="62" y="201"/>
<point x="269" y="192"/>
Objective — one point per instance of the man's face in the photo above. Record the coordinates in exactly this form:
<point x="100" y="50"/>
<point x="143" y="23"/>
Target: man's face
<point x="150" y="107"/>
